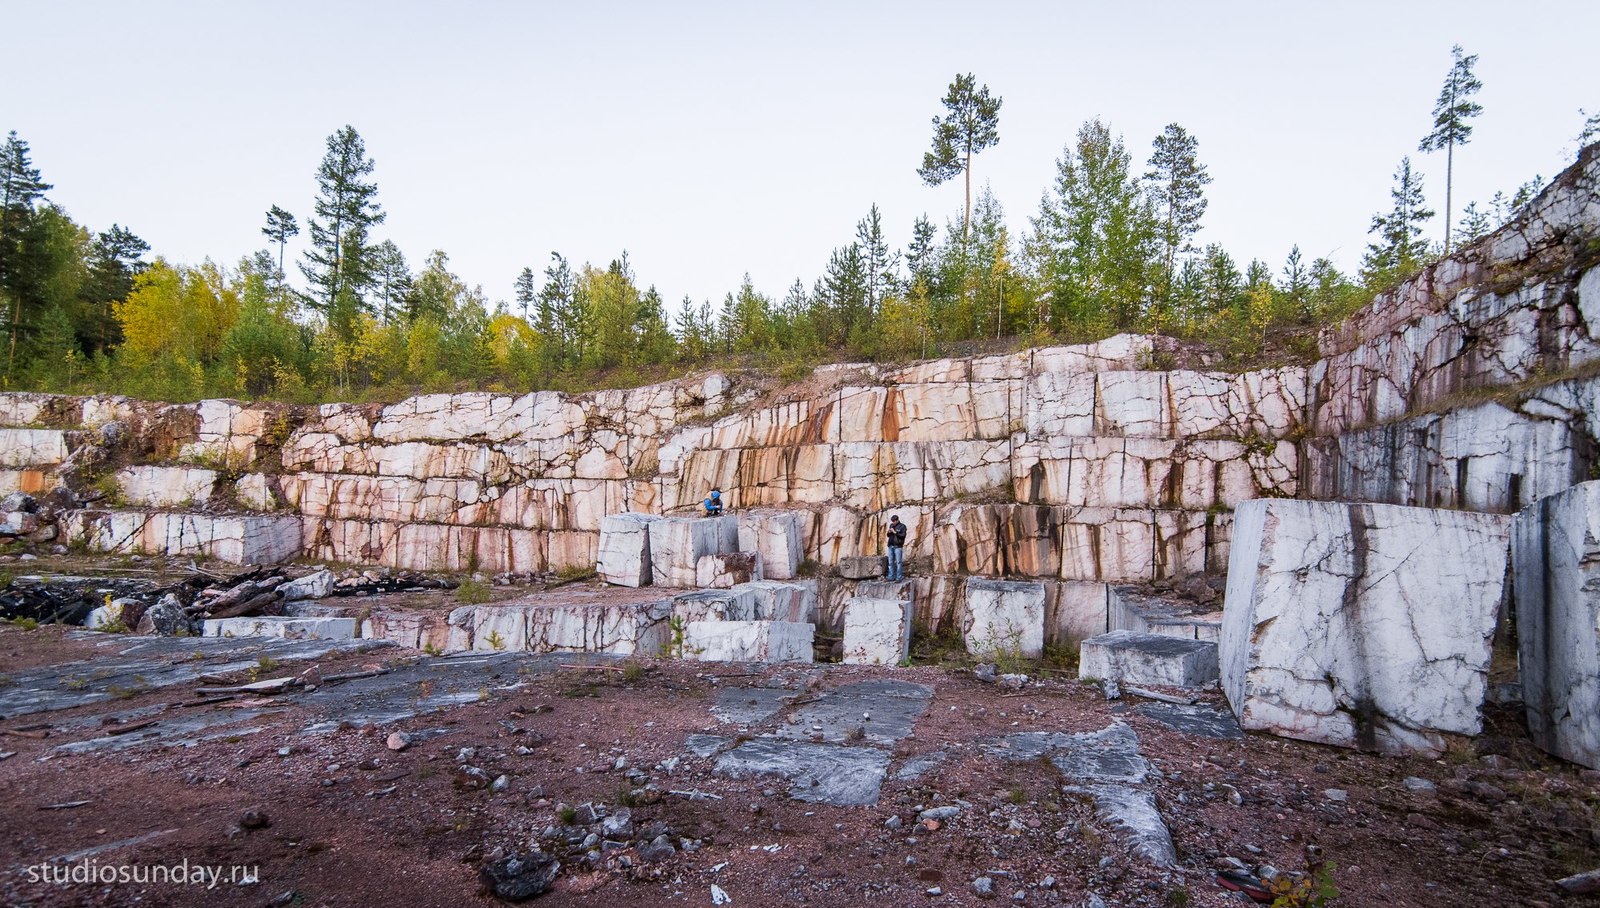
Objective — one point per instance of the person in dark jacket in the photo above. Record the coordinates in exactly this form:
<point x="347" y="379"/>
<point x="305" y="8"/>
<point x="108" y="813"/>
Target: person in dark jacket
<point x="897" y="548"/>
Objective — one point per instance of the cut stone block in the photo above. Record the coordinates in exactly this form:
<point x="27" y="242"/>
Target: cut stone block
<point x="877" y="631"/>
<point x="863" y="567"/>
<point x="748" y="641"/>
<point x="624" y="558"/>
<point x="165" y="487"/>
<point x="253" y="492"/>
<point x="234" y="538"/>
<point x="885" y="589"/>
<point x="775" y="601"/>
<point x="715" y="605"/>
<point x="619" y="628"/>
<point x="32" y="447"/>
<point x="1361" y="625"/>
<point x="1556" y="550"/>
<point x="1003" y="617"/>
<point x="678" y="543"/>
<point x="1132" y="610"/>
<point x="778" y="537"/>
<point x="1133" y="658"/>
<point x="287" y="628"/>
<point x="725" y="571"/>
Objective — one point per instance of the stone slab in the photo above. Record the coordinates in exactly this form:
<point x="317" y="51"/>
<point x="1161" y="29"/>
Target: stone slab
<point x="1361" y="625"/>
<point x="817" y="773"/>
<point x="863" y="567"/>
<point x="678" y="543"/>
<point x="727" y="569"/>
<point x="285" y="627"/>
<point x="778" y="537"/>
<point x="778" y="601"/>
<point x="748" y="641"/>
<point x="737" y="604"/>
<point x="632" y="628"/>
<point x="1003" y="618"/>
<point x="879" y="712"/>
<point x="1131" y="658"/>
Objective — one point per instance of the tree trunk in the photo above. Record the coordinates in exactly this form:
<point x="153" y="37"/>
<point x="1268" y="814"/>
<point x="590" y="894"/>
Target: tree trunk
<point x="966" y="219"/>
<point x="1449" y="162"/>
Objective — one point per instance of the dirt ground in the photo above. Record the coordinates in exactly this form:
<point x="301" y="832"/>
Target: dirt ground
<point x="339" y="818"/>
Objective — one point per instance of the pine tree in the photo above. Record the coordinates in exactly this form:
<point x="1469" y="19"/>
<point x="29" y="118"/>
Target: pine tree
<point x="1400" y="247"/>
<point x="970" y="125"/>
<point x="115" y="259"/>
<point x="281" y="226"/>
<point x="877" y="262"/>
<point x="1296" y="285"/>
<point x="1450" y="126"/>
<point x="20" y="188"/>
<point x="391" y="278"/>
<point x="557" y="320"/>
<point x="339" y="262"/>
<point x="526" y="291"/>
<point x="1177" y="184"/>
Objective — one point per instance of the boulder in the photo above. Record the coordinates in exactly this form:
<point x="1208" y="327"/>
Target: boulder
<point x="168" y="618"/>
<point x="725" y="571"/>
<point x="863" y="567"/>
<point x="775" y="601"/>
<point x="18" y="523"/>
<point x="624" y="557"/>
<point x="877" y="631"/>
<point x="317" y="585"/>
<point x="1361" y="625"/>
<point x="1003" y="618"/>
<point x="1130" y="658"/>
<point x="748" y="641"/>
<point x="1556" y="549"/>
<point x="18" y="501"/>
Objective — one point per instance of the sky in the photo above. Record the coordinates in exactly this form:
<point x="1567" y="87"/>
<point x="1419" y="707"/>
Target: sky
<point x="713" y="140"/>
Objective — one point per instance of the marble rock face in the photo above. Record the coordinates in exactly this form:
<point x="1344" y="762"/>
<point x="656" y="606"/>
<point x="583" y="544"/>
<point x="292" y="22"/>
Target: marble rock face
<point x="1556" y="550"/>
<point x="678" y="543"/>
<point x="1361" y="625"/>
<point x="32" y="447"/>
<point x="725" y="571"/>
<point x="877" y="631"/>
<point x="624" y="558"/>
<point x="234" y="538"/>
<point x="1003" y="617"/>
<point x="748" y="641"/>
<point x="618" y="628"/>
<point x="777" y="537"/>
<point x="1133" y="658"/>
<point x="165" y="487"/>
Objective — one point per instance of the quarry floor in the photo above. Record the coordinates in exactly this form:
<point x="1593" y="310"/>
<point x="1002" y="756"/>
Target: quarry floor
<point x="350" y="821"/>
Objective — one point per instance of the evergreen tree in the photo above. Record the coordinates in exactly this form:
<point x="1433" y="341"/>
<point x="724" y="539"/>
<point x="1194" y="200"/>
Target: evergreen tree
<point x="970" y="125"/>
<point x="842" y="295"/>
<point x="339" y="261"/>
<point x="1475" y="223"/>
<point x="1296" y="284"/>
<point x="1177" y="182"/>
<point x="1399" y="248"/>
<point x="557" y="321"/>
<point x="877" y="262"/>
<point x="281" y="226"/>
<point x="1224" y="287"/>
<point x="920" y="254"/>
<point x="526" y="291"/>
<point x="115" y="259"/>
<point x="391" y="278"/>
<point x="1450" y="121"/>
<point x="20" y="188"/>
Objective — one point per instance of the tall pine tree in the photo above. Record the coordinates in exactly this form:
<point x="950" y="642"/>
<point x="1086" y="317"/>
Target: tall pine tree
<point x="1177" y="182"/>
<point x="339" y="263"/>
<point x="1450" y="121"/>
<point x="20" y="188"/>
<point x="1399" y="247"/>
<point x="971" y="124"/>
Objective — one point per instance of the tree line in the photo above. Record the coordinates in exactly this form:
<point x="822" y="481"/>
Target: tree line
<point x="1111" y="247"/>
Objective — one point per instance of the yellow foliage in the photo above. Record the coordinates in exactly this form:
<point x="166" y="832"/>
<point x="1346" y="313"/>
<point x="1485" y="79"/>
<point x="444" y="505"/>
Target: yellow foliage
<point x="177" y="313"/>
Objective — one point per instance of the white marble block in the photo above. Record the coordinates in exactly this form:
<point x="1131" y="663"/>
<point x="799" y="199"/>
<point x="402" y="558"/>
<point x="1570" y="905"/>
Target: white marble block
<point x="727" y="570"/>
<point x="165" y="487"/>
<point x="748" y="641"/>
<point x="624" y="558"/>
<point x="624" y="628"/>
<point x="775" y="601"/>
<point x="678" y="543"/>
<point x="1132" y="658"/>
<point x="1556" y="550"/>
<point x="778" y="537"/>
<point x="877" y="631"/>
<point x="1361" y="625"/>
<point x="1003" y="617"/>
<point x="715" y="605"/>
<point x="287" y="628"/>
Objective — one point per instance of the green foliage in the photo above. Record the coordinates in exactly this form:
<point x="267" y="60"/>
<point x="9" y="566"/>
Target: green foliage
<point x="970" y="125"/>
<point x="473" y="592"/>
<point x="1314" y="890"/>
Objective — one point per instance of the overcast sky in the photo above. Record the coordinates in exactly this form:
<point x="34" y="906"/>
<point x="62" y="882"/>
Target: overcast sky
<point x="711" y="140"/>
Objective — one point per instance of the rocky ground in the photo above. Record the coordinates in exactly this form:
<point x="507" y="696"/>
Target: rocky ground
<point x="378" y="775"/>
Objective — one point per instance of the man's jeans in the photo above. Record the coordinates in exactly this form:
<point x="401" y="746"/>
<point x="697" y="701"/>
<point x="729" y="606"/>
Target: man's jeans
<point x="896" y="556"/>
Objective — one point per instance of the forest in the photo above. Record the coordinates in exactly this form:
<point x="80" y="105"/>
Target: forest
<point x="1110" y="248"/>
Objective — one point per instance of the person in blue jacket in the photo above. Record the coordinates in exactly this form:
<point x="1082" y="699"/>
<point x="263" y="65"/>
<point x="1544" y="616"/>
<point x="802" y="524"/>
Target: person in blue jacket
<point x="714" y="504"/>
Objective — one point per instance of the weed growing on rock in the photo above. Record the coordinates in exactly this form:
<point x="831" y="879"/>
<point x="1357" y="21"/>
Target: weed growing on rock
<point x="473" y="592"/>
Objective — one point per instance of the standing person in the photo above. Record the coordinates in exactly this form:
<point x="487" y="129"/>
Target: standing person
<point x="897" y="548"/>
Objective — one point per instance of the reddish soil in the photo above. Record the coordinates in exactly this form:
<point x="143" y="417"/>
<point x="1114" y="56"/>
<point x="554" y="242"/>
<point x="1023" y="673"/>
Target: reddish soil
<point x="353" y="823"/>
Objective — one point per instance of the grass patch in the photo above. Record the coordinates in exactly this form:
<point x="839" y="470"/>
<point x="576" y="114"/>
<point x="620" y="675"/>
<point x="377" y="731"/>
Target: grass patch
<point x="473" y="592"/>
